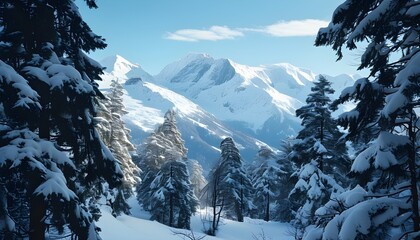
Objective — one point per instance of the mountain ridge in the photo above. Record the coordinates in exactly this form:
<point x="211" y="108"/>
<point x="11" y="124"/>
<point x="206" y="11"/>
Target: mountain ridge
<point x="216" y="98"/>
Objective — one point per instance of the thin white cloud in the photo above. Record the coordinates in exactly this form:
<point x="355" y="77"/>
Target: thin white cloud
<point x="293" y="28"/>
<point x="214" y="33"/>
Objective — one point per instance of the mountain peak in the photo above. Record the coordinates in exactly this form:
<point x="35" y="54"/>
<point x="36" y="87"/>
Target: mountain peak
<point x="196" y="56"/>
<point x="117" y="63"/>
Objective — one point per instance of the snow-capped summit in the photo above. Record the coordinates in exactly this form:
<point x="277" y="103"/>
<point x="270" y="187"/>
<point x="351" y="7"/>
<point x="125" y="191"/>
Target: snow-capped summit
<point x="118" y="64"/>
<point x="119" y="68"/>
<point x="258" y="100"/>
<point x="245" y="97"/>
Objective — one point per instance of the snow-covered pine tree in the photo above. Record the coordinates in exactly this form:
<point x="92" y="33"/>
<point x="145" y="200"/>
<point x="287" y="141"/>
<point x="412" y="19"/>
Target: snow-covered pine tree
<point x="266" y="179"/>
<point x="162" y="160"/>
<point x="172" y="199"/>
<point x="283" y="206"/>
<point x="198" y="181"/>
<point x="31" y="168"/>
<point x="152" y="155"/>
<point x="386" y="102"/>
<point x="116" y="137"/>
<point x="235" y="186"/>
<point x="171" y="132"/>
<point x="321" y="155"/>
<point x="230" y="187"/>
<point x="165" y="144"/>
<point x="47" y="97"/>
<point x="319" y="126"/>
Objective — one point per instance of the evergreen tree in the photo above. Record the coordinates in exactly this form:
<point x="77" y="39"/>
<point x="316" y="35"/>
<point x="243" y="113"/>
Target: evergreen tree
<point x="117" y="138"/>
<point x="266" y="179"/>
<point x="173" y="201"/>
<point x="198" y="182"/>
<point x="152" y="155"/>
<point x="229" y="189"/>
<point x="47" y="97"/>
<point x="171" y="132"/>
<point x="319" y="126"/>
<point x="386" y="104"/>
<point x="166" y="190"/>
<point x="283" y="206"/>
<point x="164" y="145"/>
<point x="235" y="187"/>
<point x="320" y="153"/>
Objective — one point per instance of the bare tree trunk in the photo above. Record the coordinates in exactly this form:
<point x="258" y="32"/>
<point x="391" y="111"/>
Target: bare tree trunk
<point x="413" y="176"/>
<point x="220" y="212"/>
<point x="214" y="205"/>
<point x="38" y="208"/>
<point x="267" y="208"/>
<point x="37" y="214"/>
<point x="240" y="209"/>
<point x="171" y="206"/>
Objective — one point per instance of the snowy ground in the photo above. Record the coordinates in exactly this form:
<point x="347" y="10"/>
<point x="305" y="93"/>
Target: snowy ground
<point x="138" y="226"/>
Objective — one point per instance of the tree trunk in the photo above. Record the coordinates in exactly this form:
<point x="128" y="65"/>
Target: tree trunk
<point x="214" y="205"/>
<point x="240" y="215"/>
<point x="413" y="176"/>
<point x="267" y="208"/>
<point x="171" y="205"/>
<point x="37" y="214"/>
<point x="38" y="208"/>
<point x="321" y="139"/>
<point x="44" y="123"/>
<point x="171" y="210"/>
<point x="220" y="212"/>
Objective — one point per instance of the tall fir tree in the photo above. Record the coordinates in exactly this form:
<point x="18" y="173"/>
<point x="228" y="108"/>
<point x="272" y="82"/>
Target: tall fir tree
<point x="198" y="181"/>
<point x="267" y="182"/>
<point x="47" y="97"/>
<point x="165" y="144"/>
<point x="229" y="189"/>
<point x="116" y="137"/>
<point x="166" y="190"/>
<point x="387" y="202"/>
<point x="172" y="199"/>
<point x="321" y="155"/>
<point x="319" y="126"/>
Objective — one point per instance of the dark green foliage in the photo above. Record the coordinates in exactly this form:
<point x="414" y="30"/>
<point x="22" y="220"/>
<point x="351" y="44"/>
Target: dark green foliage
<point x="47" y="111"/>
<point x="383" y="125"/>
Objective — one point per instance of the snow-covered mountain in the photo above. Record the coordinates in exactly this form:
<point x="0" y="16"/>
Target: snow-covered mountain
<point x="118" y="68"/>
<point x="260" y="101"/>
<point x="147" y="102"/>
<point x="215" y="98"/>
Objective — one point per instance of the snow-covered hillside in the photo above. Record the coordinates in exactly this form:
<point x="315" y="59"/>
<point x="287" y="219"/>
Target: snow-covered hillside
<point x="137" y="226"/>
<point x="215" y="98"/>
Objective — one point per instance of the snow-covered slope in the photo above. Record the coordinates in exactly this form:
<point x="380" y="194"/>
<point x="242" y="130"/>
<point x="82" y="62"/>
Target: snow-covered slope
<point x="260" y="101"/>
<point x="137" y="226"/>
<point x="202" y="132"/>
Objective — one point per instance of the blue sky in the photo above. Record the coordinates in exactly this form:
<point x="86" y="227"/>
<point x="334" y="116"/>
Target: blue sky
<point x="155" y="33"/>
